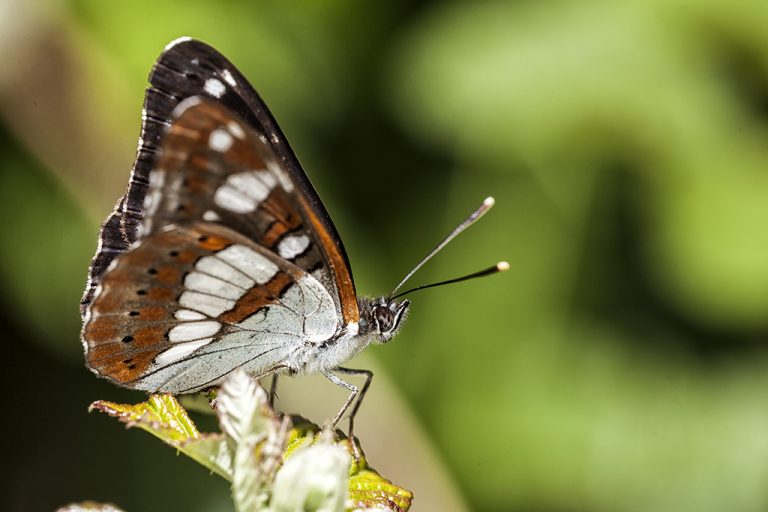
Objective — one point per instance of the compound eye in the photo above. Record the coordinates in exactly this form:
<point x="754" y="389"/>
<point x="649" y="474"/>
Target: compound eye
<point x="385" y="319"/>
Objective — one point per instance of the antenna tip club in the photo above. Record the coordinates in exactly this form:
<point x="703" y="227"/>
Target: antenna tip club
<point x="502" y="266"/>
<point x="489" y="201"/>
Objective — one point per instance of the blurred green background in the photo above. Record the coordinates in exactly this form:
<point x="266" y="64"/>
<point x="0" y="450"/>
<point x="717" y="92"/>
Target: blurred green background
<point x="620" y="365"/>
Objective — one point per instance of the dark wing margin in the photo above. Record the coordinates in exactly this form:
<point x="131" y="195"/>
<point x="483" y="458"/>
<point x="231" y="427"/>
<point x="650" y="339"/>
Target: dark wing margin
<point x="189" y="68"/>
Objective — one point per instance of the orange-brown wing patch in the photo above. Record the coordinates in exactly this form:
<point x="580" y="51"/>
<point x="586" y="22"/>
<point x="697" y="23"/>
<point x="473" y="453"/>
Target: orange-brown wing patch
<point x="258" y="297"/>
<point x="284" y="217"/>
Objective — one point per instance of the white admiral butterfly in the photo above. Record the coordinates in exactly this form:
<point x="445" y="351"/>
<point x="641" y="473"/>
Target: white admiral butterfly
<point x="220" y="255"/>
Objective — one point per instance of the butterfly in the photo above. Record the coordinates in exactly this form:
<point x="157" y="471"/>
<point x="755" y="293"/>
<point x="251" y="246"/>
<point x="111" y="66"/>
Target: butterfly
<point x="220" y="255"/>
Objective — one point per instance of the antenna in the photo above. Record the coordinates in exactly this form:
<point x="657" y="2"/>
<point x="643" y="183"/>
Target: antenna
<point x="501" y="266"/>
<point x="473" y="217"/>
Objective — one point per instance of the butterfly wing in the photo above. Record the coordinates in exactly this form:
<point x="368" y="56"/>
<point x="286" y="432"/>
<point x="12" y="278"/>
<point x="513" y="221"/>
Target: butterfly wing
<point x="190" y="304"/>
<point x="219" y="256"/>
<point x="189" y="68"/>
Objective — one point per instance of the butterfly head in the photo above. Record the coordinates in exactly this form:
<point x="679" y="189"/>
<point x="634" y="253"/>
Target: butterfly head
<point x="384" y="317"/>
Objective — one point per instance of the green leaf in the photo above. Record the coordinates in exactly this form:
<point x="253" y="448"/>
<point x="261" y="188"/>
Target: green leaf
<point x="161" y="416"/>
<point x="212" y="451"/>
<point x="273" y="462"/>
<point x="369" y="490"/>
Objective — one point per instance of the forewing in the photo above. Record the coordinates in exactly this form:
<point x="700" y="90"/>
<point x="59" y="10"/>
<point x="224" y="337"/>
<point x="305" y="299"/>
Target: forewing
<point x="186" y="69"/>
<point x="214" y="167"/>
<point x="189" y="304"/>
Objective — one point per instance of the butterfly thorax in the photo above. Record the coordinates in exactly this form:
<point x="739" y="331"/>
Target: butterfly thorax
<point x="380" y="320"/>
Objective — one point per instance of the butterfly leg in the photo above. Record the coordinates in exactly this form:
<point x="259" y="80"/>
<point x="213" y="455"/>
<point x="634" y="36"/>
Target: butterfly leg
<point x="273" y="390"/>
<point x="356" y="396"/>
<point x="360" y="394"/>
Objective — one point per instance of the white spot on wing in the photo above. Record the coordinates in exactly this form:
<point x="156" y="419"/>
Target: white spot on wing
<point x="204" y="283"/>
<point x="154" y="195"/>
<point x="179" y="351"/>
<point x="220" y="140"/>
<point x="243" y="191"/>
<point x="227" y="76"/>
<point x="211" y="216"/>
<point x="211" y="306"/>
<point x="185" y="105"/>
<point x="214" y="87"/>
<point x="151" y="200"/>
<point x="249" y="262"/>
<point x="216" y="267"/>
<point x="189" y="331"/>
<point x="187" y="314"/>
<point x="236" y="130"/>
<point x="256" y="184"/>
<point x="292" y="245"/>
<point x="278" y="171"/>
<point x="233" y="200"/>
<point x="156" y="178"/>
<point x="267" y="177"/>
